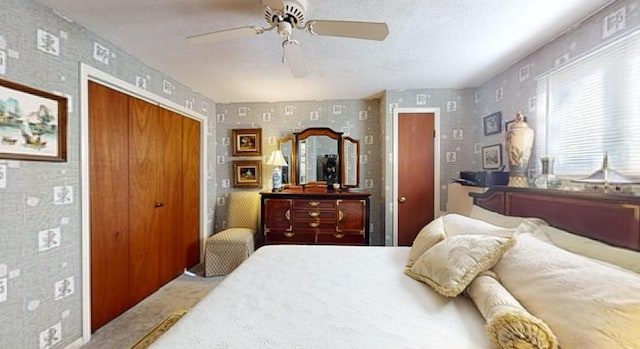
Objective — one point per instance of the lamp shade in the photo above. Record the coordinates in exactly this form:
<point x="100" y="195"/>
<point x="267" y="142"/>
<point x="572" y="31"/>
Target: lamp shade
<point x="276" y="159"/>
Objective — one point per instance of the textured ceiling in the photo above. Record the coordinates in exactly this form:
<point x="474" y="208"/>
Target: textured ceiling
<point x="431" y="43"/>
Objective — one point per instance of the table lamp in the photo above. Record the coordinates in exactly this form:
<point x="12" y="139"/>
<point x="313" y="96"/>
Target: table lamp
<point x="277" y="161"/>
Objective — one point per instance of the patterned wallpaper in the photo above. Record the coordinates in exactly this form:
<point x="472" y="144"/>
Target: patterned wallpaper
<point x="358" y="119"/>
<point x="40" y="234"/>
<point x="40" y="224"/>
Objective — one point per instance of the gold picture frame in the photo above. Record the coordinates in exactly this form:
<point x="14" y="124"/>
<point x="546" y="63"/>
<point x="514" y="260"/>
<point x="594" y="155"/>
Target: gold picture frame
<point x="247" y="174"/>
<point x="247" y="141"/>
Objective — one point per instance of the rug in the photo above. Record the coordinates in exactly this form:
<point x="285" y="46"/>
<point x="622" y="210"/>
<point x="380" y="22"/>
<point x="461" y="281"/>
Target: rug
<point x="159" y="330"/>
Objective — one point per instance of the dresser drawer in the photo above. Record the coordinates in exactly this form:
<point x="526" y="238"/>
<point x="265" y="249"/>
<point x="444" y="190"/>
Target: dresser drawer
<point x="314" y="204"/>
<point x="315" y="224"/>
<point x="315" y="213"/>
<point x="289" y="237"/>
<point x="341" y="239"/>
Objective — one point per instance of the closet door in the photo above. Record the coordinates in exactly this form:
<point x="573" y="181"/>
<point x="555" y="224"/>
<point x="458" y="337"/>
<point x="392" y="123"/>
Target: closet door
<point x="191" y="191"/>
<point x="145" y="206"/>
<point x="109" y="193"/>
<point x="169" y="196"/>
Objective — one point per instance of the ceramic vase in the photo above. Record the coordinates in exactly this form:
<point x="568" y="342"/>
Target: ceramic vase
<point x="519" y="144"/>
<point x="547" y="180"/>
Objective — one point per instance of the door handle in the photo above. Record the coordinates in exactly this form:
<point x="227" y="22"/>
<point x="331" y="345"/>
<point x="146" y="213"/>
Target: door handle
<point x="158" y="204"/>
<point x="402" y="199"/>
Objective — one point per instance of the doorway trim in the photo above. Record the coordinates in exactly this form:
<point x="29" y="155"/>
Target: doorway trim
<point x="436" y="163"/>
<point x="88" y="73"/>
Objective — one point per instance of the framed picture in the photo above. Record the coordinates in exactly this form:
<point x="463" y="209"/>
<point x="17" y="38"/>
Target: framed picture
<point x="247" y="174"/>
<point x="492" y="124"/>
<point x="507" y="125"/>
<point x="492" y="157"/>
<point x="247" y="141"/>
<point x="33" y="124"/>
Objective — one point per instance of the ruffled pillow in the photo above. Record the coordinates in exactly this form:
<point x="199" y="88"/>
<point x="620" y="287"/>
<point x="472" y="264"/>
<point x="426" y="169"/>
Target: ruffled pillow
<point x="450" y="265"/>
<point x="509" y="324"/>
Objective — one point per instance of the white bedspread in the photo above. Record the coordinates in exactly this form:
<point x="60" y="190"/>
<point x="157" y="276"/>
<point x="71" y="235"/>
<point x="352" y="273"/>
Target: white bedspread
<point x="327" y="297"/>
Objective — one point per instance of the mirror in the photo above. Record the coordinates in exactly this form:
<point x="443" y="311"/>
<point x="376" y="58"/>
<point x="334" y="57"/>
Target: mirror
<point x="350" y="162"/>
<point x="318" y="155"/>
<point x="288" y="149"/>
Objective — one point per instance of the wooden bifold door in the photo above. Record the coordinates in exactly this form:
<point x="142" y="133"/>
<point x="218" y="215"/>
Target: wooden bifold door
<point x="144" y="191"/>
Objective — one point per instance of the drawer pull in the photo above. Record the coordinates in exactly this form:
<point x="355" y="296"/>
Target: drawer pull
<point x="289" y="235"/>
<point x="340" y="215"/>
<point x="314" y="203"/>
<point x="314" y="214"/>
<point x="314" y="224"/>
<point x="287" y="215"/>
<point x="338" y="236"/>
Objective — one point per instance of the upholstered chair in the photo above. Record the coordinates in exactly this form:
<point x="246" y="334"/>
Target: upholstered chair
<point x="227" y="249"/>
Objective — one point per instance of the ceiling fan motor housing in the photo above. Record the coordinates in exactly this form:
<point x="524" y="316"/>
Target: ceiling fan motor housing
<point x="294" y="12"/>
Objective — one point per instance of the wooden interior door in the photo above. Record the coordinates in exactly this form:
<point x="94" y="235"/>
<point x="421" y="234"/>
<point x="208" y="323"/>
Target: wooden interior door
<point x="415" y="174"/>
<point x="109" y="212"/>
<point x="145" y="213"/>
<point x="191" y="191"/>
<point x="171" y="252"/>
<point x="145" y="199"/>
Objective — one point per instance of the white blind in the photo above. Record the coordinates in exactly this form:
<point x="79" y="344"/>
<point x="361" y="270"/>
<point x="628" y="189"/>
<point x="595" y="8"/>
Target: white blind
<point x="593" y="107"/>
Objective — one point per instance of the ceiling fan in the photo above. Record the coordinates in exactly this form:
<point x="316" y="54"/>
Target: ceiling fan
<point x="287" y="15"/>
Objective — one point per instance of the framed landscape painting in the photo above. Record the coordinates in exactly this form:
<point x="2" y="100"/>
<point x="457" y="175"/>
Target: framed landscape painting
<point x="33" y="124"/>
<point x="492" y="157"/>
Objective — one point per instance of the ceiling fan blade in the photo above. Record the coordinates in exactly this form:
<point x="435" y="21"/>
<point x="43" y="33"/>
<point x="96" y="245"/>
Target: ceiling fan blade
<point x="349" y="29"/>
<point x="294" y="58"/>
<point x="277" y="5"/>
<point x="226" y="34"/>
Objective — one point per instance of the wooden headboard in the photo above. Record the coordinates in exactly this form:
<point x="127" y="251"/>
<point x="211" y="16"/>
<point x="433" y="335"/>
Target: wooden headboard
<point x="614" y="219"/>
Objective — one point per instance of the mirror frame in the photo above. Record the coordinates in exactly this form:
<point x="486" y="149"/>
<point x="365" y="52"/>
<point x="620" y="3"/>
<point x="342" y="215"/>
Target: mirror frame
<point x="293" y="160"/>
<point x="343" y="168"/>
<point x="319" y="131"/>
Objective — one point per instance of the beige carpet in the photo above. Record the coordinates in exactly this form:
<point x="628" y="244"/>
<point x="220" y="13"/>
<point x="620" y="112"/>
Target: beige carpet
<point x="127" y="329"/>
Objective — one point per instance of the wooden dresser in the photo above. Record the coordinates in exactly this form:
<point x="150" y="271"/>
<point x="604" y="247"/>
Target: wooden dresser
<point x="315" y="218"/>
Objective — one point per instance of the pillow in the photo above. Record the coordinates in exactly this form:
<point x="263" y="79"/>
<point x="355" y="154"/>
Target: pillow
<point x="455" y="224"/>
<point x="588" y="304"/>
<point x="509" y="325"/>
<point x="501" y="220"/>
<point x="495" y="218"/>
<point x="450" y="265"/>
<point x="621" y="257"/>
<point x="430" y="235"/>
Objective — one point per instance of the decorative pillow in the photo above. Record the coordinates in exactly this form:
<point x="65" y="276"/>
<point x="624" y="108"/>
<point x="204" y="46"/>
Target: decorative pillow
<point x="430" y="235"/>
<point x="450" y="265"/>
<point x="455" y="224"/>
<point x="621" y="257"/>
<point x="588" y="304"/>
<point x="508" y="323"/>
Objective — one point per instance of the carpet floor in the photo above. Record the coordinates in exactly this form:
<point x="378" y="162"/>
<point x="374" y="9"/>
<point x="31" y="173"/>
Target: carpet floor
<point x="181" y="293"/>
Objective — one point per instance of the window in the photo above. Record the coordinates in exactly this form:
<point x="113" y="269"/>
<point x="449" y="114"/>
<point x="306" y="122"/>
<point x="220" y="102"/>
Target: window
<point x="590" y="107"/>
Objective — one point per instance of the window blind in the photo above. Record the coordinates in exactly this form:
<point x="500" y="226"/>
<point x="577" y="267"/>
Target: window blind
<point x="592" y="106"/>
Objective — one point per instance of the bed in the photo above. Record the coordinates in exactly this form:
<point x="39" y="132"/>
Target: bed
<point x="367" y="297"/>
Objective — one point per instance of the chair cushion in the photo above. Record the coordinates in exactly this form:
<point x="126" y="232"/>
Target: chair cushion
<point x="243" y="210"/>
<point x="233" y="236"/>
